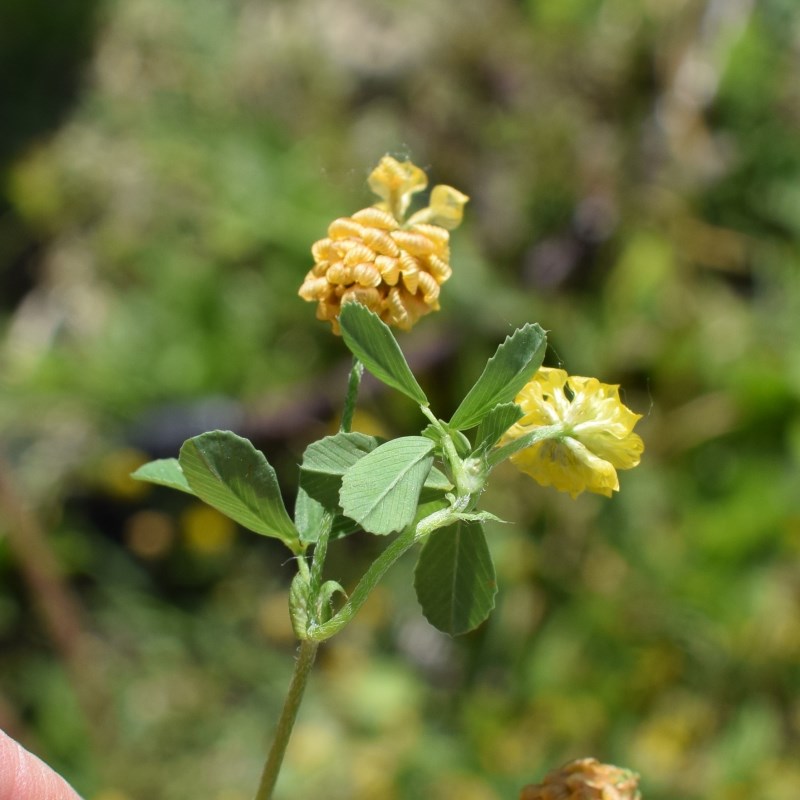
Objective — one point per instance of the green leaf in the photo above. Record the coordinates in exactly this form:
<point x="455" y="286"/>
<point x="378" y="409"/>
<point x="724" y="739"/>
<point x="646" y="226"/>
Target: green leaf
<point x="381" y="491"/>
<point x="309" y="517"/>
<point x="455" y="579"/>
<point x="438" y="481"/>
<point x="228" y="473"/>
<point x="495" y="424"/>
<point x="371" y="341"/>
<point x="327" y="460"/>
<point x="164" y="472"/>
<point x="324" y="600"/>
<point x="343" y="526"/>
<point x="324" y="464"/>
<point x="506" y="372"/>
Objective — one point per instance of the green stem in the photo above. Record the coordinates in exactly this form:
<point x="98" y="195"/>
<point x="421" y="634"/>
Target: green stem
<point x="302" y="667"/>
<point x="318" y="633"/>
<point x="320" y="553"/>
<point x="455" y="462"/>
<point x="367" y="583"/>
<point x="308" y="647"/>
<point x="407" y="539"/>
<point x="353" y="383"/>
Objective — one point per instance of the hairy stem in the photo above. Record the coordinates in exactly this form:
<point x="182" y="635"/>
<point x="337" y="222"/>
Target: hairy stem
<point x="308" y="647"/>
<point x="409" y="537"/>
<point x="297" y="687"/>
<point x="367" y="583"/>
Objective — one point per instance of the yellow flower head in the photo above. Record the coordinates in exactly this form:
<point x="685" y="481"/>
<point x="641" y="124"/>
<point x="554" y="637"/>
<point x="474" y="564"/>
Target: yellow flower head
<point x="596" y="437"/>
<point x="585" y="779"/>
<point x="377" y="257"/>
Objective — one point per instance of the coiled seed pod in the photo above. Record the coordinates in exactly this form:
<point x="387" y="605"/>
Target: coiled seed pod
<point x="439" y="268"/>
<point x="323" y="250"/>
<point x="381" y="242"/>
<point x="429" y="287"/>
<point x="367" y="296"/>
<point x="358" y="253"/>
<point x="315" y="288"/>
<point x="339" y="274"/>
<point x="376" y="218"/>
<point x="415" y="243"/>
<point x="389" y="269"/>
<point x="397" y="309"/>
<point x="343" y="227"/>
<point x="366" y="274"/>
<point x="439" y="236"/>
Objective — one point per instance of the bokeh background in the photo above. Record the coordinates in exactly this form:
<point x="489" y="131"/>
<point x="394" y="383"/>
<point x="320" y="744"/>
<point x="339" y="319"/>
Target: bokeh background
<point x="634" y="169"/>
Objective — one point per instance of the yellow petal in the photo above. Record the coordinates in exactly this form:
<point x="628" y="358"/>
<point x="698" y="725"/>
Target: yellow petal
<point x="395" y="182"/>
<point x="623" y="453"/>
<point x="446" y="208"/>
<point x="568" y="466"/>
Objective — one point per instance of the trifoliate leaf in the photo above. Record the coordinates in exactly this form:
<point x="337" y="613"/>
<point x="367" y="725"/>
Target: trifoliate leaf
<point x="227" y="472"/>
<point x="327" y="460"/>
<point x="455" y="579"/>
<point x="507" y="371"/>
<point x="381" y="490"/>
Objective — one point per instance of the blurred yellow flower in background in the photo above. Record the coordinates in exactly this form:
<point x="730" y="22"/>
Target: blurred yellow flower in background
<point x="376" y="257"/>
<point x="596" y="437"/>
<point x="206" y="531"/>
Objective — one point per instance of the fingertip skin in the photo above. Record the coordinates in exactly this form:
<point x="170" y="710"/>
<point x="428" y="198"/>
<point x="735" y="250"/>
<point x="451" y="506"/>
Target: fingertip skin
<point x="24" y="777"/>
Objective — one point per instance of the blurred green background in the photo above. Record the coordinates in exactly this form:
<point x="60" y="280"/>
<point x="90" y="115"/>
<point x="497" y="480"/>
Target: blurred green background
<point x="634" y="169"/>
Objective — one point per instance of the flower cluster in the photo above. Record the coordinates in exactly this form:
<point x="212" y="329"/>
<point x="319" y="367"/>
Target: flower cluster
<point x="585" y="779"/>
<point x="376" y="257"/>
<point x="595" y="438"/>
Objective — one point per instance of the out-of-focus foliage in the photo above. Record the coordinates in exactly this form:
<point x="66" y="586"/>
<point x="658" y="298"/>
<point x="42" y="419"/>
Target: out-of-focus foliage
<point x="634" y="169"/>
